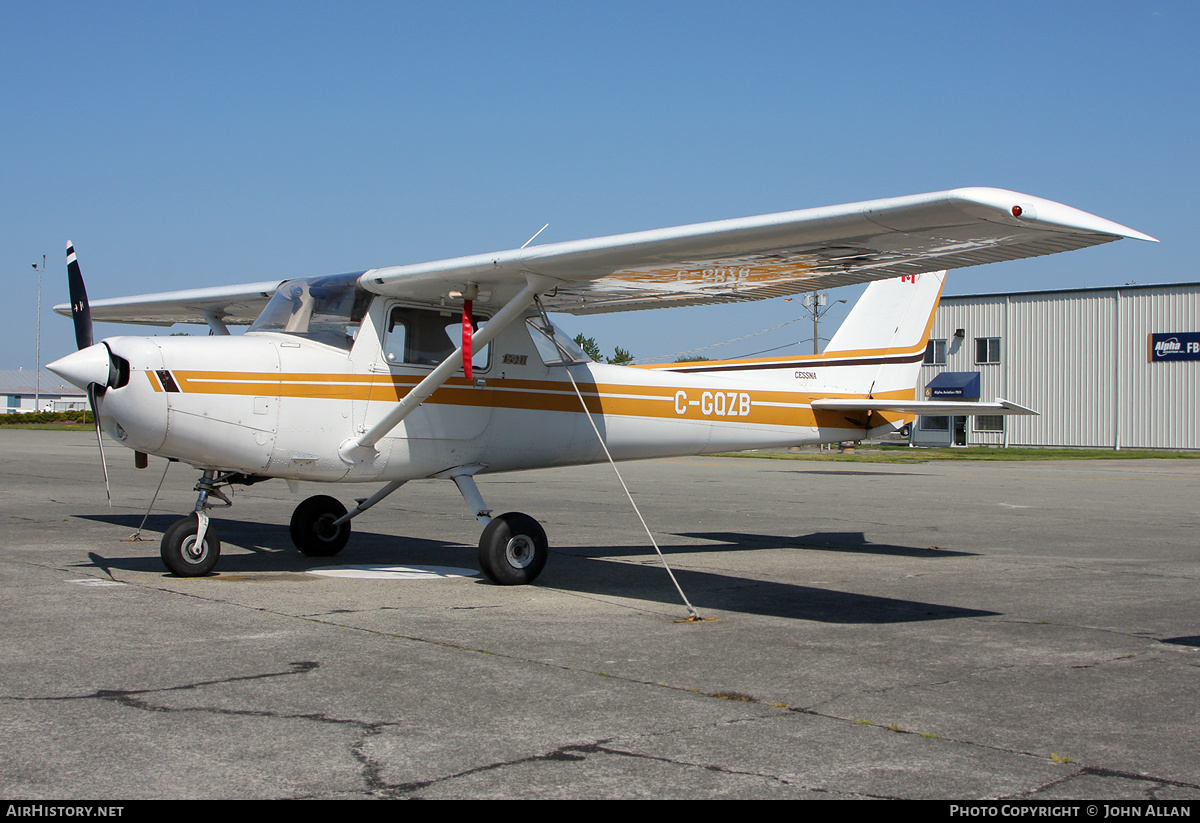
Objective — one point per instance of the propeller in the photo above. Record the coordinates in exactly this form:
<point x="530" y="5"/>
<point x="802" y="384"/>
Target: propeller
<point x="92" y="367"/>
<point x="81" y="313"/>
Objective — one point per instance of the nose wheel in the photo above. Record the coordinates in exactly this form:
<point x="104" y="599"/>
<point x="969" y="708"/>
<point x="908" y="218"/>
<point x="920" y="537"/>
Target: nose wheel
<point x="190" y="548"/>
<point x="313" y="530"/>
<point x="186" y="553"/>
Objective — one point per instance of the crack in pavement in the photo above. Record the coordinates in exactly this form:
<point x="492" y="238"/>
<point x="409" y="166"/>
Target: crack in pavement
<point x="136" y="699"/>
<point x="1150" y="792"/>
<point x="1095" y="771"/>
<point x="579" y="752"/>
<point x="121" y="695"/>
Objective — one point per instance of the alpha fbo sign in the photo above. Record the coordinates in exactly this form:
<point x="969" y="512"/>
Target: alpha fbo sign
<point x="1175" y="346"/>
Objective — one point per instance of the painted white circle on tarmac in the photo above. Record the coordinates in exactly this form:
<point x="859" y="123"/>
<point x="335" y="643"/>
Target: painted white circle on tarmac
<point x="376" y="571"/>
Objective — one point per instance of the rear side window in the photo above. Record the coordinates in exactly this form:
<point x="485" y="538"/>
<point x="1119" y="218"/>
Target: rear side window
<point x="553" y="345"/>
<point x="426" y="337"/>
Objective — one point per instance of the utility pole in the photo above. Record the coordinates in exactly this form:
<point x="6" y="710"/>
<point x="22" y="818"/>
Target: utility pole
<point x="37" y="370"/>
<point x="815" y="303"/>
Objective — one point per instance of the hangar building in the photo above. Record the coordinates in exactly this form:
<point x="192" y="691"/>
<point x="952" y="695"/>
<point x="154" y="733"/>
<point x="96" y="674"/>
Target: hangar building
<point x="1107" y="367"/>
<point x="23" y="390"/>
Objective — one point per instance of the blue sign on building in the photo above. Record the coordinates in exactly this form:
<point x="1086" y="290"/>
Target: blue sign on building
<point x="960" y="384"/>
<point x="1184" y="345"/>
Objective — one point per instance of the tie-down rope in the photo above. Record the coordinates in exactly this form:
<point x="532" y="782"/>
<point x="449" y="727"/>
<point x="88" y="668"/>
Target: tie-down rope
<point x="695" y="615"/>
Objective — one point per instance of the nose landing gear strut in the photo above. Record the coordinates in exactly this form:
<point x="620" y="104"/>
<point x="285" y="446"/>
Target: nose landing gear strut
<point x="191" y="548"/>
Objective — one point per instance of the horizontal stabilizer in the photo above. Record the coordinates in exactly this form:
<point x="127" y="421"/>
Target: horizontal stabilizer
<point x="929" y="408"/>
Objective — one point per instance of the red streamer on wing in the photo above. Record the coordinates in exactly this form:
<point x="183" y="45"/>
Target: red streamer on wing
<point x="468" y="316"/>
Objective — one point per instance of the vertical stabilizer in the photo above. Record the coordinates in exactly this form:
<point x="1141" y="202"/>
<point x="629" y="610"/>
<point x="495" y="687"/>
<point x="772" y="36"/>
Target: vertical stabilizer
<point x="876" y="352"/>
<point x="879" y="347"/>
<point x="891" y="315"/>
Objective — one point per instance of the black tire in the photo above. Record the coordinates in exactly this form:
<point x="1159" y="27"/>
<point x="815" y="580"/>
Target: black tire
<point x="178" y="548"/>
<point x="513" y="549"/>
<point x="313" y="532"/>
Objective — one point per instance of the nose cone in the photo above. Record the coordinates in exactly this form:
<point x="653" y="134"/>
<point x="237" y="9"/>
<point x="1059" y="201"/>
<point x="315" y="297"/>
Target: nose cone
<point x="90" y="365"/>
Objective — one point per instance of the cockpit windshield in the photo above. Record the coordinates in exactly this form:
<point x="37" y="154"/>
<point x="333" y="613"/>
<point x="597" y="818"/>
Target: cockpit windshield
<point x="325" y="309"/>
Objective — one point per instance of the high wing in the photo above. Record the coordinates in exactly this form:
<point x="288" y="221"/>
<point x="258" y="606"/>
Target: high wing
<point x="751" y="258"/>
<point x="754" y="258"/>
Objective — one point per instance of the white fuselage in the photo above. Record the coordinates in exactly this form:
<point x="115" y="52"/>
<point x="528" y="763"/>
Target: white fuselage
<point x="279" y="405"/>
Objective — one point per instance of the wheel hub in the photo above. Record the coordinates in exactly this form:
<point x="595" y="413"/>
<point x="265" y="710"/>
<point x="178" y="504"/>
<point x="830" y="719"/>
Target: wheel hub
<point x="519" y="552"/>
<point x="324" y="528"/>
<point x="193" y="550"/>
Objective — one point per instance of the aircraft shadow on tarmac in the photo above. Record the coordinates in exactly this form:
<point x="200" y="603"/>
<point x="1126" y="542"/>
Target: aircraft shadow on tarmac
<point x="1189" y="640"/>
<point x="855" y="542"/>
<point x="645" y="579"/>
<point x="269" y="550"/>
<point x="252" y="546"/>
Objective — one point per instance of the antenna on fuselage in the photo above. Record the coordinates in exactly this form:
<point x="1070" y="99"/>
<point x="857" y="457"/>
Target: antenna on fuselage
<point x="531" y="239"/>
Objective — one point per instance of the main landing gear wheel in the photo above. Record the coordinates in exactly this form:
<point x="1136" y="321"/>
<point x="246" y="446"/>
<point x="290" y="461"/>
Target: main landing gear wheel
<point x="183" y="555"/>
<point x="513" y="549"/>
<point x="312" y="527"/>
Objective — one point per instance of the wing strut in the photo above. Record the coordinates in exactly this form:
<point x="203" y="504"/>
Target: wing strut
<point x="361" y="449"/>
<point x="215" y="323"/>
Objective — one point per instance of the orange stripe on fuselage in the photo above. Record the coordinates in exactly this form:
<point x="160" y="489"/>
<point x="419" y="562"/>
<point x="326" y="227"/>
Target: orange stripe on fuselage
<point x="764" y="407"/>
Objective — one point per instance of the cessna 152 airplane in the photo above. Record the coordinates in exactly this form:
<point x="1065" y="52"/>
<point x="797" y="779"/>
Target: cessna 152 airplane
<point x="452" y="369"/>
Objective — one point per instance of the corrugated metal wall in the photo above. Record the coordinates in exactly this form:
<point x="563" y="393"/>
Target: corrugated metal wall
<point x="1158" y="400"/>
<point x="1081" y="359"/>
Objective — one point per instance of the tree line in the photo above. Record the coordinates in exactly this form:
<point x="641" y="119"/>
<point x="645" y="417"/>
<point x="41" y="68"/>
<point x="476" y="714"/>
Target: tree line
<point x="621" y="357"/>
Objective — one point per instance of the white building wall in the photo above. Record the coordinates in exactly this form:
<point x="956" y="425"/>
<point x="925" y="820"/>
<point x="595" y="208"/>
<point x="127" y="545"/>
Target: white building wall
<point x="24" y="403"/>
<point x="1061" y="364"/>
<point x="1081" y="358"/>
<point x="1159" y="401"/>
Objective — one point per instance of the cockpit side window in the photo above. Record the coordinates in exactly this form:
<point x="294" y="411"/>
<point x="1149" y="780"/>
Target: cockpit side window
<point x="327" y="310"/>
<point x="553" y="345"/>
<point x="426" y="337"/>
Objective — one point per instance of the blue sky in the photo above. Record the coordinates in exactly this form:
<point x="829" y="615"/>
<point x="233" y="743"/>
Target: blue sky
<point x="192" y="144"/>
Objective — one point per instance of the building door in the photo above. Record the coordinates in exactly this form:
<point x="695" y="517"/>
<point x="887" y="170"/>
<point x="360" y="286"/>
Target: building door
<point x="959" y="425"/>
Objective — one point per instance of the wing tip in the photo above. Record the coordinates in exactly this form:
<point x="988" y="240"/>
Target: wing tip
<point x="1024" y="208"/>
<point x="1017" y="408"/>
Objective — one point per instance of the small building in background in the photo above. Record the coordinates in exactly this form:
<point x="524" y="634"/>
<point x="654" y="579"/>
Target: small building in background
<point x="28" y="391"/>
<point x="1106" y="367"/>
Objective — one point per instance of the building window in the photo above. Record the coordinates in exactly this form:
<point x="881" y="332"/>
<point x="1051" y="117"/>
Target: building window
<point x="935" y="424"/>
<point x="989" y="423"/>
<point x="935" y="353"/>
<point x="987" y="350"/>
